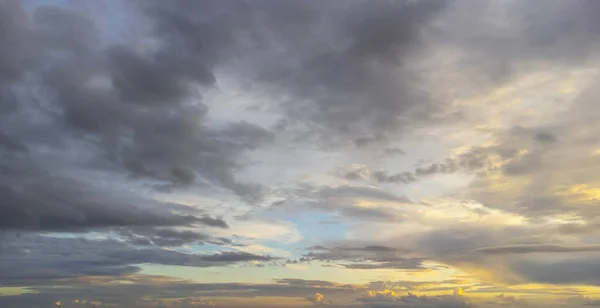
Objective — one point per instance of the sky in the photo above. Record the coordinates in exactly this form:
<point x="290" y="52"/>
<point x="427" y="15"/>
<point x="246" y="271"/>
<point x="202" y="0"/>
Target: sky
<point x="266" y="153"/>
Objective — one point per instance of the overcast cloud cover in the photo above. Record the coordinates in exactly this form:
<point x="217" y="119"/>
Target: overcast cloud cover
<point x="264" y="153"/>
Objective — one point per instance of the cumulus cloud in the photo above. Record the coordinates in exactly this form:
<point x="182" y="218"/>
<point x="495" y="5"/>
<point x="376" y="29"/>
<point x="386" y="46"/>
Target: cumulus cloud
<point x="379" y="296"/>
<point x="509" y="301"/>
<point x="317" y="299"/>
<point x="459" y="292"/>
<point x="412" y="300"/>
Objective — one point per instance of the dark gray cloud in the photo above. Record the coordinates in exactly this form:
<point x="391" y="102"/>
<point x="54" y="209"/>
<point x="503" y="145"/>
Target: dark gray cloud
<point x="373" y="248"/>
<point x="164" y="237"/>
<point x="139" y="110"/>
<point x="15" y="55"/>
<point x="30" y="258"/>
<point x="233" y="256"/>
<point x="365" y="141"/>
<point x="514" y="39"/>
<point x="401" y="264"/>
<point x="75" y="106"/>
<point x="342" y="66"/>
<point x="515" y="164"/>
<point x="213" y="222"/>
<point x="544" y="137"/>
<point x="33" y="200"/>
<point x="362" y="81"/>
<point x="537" y="248"/>
<point x="394" y="151"/>
<point x="303" y="282"/>
<point x="566" y="271"/>
<point x="355" y="175"/>
<point x="363" y="257"/>
<point x="9" y="143"/>
<point x="524" y="165"/>
<point x="384" y="177"/>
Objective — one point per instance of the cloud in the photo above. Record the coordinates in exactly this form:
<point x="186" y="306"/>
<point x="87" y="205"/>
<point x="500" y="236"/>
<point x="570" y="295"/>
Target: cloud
<point x="356" y="202"/>
<point x="563" y="271"/>
<point x="327" y="61"/>
<point x="145" y="290"/>
<point x="538" y="248"/>
<point x="383" y="177"/>
<point x="411" y="300"/>
<point x="509" y="301"/>
<point x="379" y="296"/>
<point x="213" y="222"/>
<point x="592" y="225"/>
<point x="544" y="36"/>
<point x="544" y="137"/>
<point x="373" y="248"/>
<point x="37" y="258"/>
<point x="394" y="151"/>
<point x="316" y="299"/>
<point x="303" y="282"/>
<point x="168" y="237"/>
<point x="409" y="263"/>
<point x="498" y="254"/>
<point x="233" y="256"/>
<point x="175" y="95"/>
<point x="132" y="107"/>
<point x="337" y="83"/>
<point x="33" y="200"/>
<point x="458" y="292"/>
<point x="475" y="160"/>
<point x="357" y="192"/>
<point x="258" y="229"/>
<point x="365" y="257"/>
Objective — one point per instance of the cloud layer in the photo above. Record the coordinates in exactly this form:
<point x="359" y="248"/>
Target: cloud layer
<point x="402" y="153"/>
